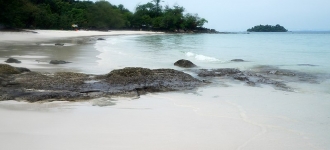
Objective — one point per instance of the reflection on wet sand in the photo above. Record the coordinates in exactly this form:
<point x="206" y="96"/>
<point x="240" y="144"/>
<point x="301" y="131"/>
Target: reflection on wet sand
<point x="37" y="56"/>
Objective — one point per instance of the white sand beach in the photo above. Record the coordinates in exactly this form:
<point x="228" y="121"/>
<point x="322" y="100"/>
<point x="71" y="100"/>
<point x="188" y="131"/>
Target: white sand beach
<point x="225" y="116"/>
<point x="43" y="35"/>
<point x="235" y="118"/>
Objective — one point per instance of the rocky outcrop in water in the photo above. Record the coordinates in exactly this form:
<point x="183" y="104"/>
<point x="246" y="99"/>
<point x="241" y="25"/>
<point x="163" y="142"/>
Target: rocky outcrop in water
<point x="184" y="63"/>
<point x="22" y="84"/>
<point x="34" y="86"/>
<point x="250" y="78"/>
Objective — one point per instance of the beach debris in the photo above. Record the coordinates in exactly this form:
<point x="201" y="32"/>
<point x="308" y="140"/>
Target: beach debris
<point x="56" y="62"/>
<point x="237" y="60"/>
<point x="12" y="60"/>
<point x="59" y="44"/>
<point x="184" y="63"/>
<point x="100" y="39"/>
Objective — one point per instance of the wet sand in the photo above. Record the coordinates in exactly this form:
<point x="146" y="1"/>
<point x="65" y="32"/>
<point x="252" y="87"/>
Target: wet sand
<point x="36" y="50"/>
<point x="233" y="118"/>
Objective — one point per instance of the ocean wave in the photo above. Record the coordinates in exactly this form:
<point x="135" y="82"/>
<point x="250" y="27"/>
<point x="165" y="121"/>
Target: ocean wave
<point x="201" y="57"/>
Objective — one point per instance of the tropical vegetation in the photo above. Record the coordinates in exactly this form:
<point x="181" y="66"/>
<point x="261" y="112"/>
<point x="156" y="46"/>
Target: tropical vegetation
<point x="100" y="15"/>
<point x="267" y="28"/>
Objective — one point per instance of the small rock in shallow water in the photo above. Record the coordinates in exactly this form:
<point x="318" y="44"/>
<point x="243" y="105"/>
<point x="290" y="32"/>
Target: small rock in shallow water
<point x="100" y="39"/>
<point x="237" y="60"/>
<point x="310" y="65"/>
<point x="12" y="60"/>
<point x="59" y="44"/>
<point x="55" y="62"/>
<point x="184" y="63"/>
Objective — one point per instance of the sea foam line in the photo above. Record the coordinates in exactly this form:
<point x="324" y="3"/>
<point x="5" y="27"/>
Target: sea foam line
<point x="201" y="57"/>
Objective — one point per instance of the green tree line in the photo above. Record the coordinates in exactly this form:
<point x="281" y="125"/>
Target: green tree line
<point x="267" y="28"/>
<point x="100" y="15"/>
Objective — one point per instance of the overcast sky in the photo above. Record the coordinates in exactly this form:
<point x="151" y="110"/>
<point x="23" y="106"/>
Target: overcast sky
<point x="239" y="15"/>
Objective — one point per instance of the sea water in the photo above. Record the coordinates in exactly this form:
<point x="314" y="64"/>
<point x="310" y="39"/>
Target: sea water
<point x="307" y="52"/>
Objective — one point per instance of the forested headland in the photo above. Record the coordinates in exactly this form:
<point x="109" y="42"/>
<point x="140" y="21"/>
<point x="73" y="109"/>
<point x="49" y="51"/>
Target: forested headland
<point x="267" y="28"/>
<point x="100" y="15"/>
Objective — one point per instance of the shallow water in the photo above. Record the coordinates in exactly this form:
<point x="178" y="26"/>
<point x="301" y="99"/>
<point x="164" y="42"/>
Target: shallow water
<point x="306" y="53"/>
<point x="287" y="50"/>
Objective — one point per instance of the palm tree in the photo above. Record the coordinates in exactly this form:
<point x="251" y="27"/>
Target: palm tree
<point x="157" y="5"/>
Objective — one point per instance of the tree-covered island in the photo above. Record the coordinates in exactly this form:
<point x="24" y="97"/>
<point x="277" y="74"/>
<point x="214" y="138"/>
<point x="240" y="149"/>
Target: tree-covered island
<point x="99" y="15"/>
<point x="267" y="28"/>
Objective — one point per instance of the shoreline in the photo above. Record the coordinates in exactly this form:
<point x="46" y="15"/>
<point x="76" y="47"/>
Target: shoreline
<point x="46" y="35"/>
<point x="31" y="48"/>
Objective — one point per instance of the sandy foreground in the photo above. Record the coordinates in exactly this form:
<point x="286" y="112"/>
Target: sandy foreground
<point x="228" y="117"/>
<point x="231" y="118"/>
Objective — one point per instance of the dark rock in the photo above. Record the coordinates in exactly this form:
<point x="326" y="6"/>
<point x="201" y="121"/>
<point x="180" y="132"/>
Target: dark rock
<point x="100" y="39"/>
<point x="237" y="60"/>
<point x="130" y="72"/>
<point x="12" y="60"/>
<point x="7" y="69"/>
<point x="218" y="72"/>
<point x="76" y="86"/>
<point x="310" y="65"/>
<point x="250" y="83"/>
<point x="59" y="44"/>
<point x="206" y="81"/>
<point x="241" y="77"/>
<point x="281" y="72"/>
<point x="55" y="62"/>
<point x="184" y="63"/>
<point x="21" y="69"/>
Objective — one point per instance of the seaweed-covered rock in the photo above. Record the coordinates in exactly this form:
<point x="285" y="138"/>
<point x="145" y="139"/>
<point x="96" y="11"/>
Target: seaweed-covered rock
<point x="7" y="69"/>
<point x="184" y="63"/>
<point x="12" y="60"/>
<point x="130" y="72"/>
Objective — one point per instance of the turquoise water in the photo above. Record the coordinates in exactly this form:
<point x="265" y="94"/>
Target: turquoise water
<point x="302" y="52"/>
<point x="284" y="50"/>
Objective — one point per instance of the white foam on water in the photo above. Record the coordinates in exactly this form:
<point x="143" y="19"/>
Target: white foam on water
<point x="202" y="57"/>
<point x="28" y="56"/>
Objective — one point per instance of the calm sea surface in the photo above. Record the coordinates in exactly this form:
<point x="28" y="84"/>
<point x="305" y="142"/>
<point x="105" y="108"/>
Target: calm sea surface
<point x="307" y="52"/>
<point x="298" y="51"/>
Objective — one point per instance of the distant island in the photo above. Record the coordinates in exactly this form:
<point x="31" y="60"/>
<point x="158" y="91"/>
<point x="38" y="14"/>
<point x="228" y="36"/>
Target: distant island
<point x="267" y="28"/>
